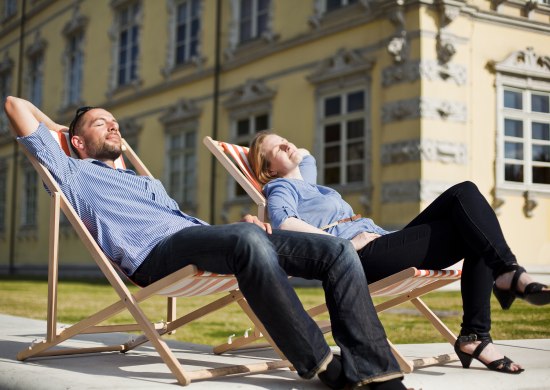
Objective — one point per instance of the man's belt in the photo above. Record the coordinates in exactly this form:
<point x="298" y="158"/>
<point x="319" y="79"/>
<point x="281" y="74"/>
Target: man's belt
<point x="352" y="218"/>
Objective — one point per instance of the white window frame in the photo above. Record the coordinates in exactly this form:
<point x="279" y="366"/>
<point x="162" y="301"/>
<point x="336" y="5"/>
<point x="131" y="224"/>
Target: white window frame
<point x="75" y="64"/>
<point x="36" y="78"/>
<point x="255" y="33"/>
<point x="115" y="33"/>
<point x="526" y="116"/>
<point x="29" y="204"/>
<point x="343" y="119"/>
<point x="188" y="55"/>
<point x="186" y="192"/>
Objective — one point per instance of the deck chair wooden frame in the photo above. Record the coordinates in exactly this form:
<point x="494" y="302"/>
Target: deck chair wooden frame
<point x="188" y="281"/>
<point x="405" y="286"/>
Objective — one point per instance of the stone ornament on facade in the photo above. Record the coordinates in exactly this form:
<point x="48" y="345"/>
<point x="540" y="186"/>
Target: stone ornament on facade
<point x="339" y="66"/>
<point x="445" y="152"/>
<point x="254" y="95"/>
<point x="445" y="43"/>
<point x="413" y="191"/>
<point x="525" y="62"/>
<point x="398" y="45"/>
<point x="429" y="70"/>
<point x="428" y="108"/>
<point x="183" y="110"/>
<point x="530" y="203"/>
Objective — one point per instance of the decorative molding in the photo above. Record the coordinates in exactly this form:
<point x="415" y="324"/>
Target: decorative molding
<point x="254" y="95"/>
<point x="412" y="191"/>
<point x="424" y="108"/>
<point x="430" y="70"/>
<point x="76" y="24"/>
<point x="445" y="152"/>
<point x="530" y="203"/>
<point x="524" y="62"/>
<point x="184" y="110"/>
<point x="446" y="43"/>
<point x="341" y="65"/>
<point x="398" y="46"/>
<point x="498" y="201"/>
<point x="37" y="47"/>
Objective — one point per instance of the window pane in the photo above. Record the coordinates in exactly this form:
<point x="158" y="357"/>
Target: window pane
<point x="355" y="173"/>
<point x="175" y="141"/>
<point x="513" y="173"/>
<point x="541" y="131"/>
<point x="539" y="103"/>
<point x="513" y="128"/>
<point x="541" y="175"/>
<point x="332" y="106"/>
<point x="332" y="133"/>
<point x="261" y="122"/>
<point x="332" y="176"/>
<point x="355" y="129"/>
<point x="242" y="127"/>
<point x="190" y="139"/>
<point x="541" y="153"/>
<point x="513" y="100"/>
<point x="333" y="4"/>
<point x="513" y="150"/>
<point x="332" y="154"/>
<point x="356" y="151"/>
<point x="356" y="101"/>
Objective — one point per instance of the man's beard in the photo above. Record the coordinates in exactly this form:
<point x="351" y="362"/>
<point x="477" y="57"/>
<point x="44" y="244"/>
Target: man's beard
<point x="107" y="152"/>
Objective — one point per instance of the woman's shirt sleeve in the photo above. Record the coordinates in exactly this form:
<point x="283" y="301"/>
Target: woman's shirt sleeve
<point x="282" y="201"/>
<point x="308" y="169"/>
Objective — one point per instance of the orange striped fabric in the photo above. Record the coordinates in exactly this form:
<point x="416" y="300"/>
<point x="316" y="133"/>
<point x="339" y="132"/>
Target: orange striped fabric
<point x="239" y="155"/>
<point x="421" y="278"/>
<point x="62" y="138"/>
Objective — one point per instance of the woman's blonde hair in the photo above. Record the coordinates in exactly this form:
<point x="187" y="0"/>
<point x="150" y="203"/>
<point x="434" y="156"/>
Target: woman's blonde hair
<point x="257" y="160"/>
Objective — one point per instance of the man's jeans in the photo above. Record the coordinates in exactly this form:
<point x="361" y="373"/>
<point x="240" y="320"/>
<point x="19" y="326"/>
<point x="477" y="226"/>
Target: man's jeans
<point x="261" y="263"/>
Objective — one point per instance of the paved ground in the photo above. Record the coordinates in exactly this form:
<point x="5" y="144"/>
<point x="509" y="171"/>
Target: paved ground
<point x="143" y="369"/>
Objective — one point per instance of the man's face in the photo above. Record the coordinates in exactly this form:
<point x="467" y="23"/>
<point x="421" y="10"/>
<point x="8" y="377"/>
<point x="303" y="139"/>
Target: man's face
<point x="99" y="136"/>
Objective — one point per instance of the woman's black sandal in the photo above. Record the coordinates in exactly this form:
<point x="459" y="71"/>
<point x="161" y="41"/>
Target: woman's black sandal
<point x="500" y="365"/>
<point x="535" y="293"/>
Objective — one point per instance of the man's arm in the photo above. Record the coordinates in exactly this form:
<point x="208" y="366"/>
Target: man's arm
<point x="24" y="117"/>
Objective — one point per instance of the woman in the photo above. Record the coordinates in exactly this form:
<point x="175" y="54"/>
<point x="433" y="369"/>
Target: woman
<point x="459" y="224"/>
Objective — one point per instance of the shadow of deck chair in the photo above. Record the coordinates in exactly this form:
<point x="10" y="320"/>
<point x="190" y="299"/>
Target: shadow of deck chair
<point x="187" y="282"/>
<point x="405" y="286"/>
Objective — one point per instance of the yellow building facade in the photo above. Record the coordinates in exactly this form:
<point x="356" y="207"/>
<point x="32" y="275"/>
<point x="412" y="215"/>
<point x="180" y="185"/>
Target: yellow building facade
<point x="397" y="99"/>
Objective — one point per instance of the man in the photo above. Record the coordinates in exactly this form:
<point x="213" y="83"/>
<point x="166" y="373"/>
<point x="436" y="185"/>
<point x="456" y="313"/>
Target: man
<point x="141" y="228"/>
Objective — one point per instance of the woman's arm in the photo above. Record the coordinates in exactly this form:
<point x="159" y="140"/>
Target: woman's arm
<point x="297" y="225"/>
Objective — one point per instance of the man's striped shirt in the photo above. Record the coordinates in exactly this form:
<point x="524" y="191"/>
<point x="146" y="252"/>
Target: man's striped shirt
<point x="126" y="214"/>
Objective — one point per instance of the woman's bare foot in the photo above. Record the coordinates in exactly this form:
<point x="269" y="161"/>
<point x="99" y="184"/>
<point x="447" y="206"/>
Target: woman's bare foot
<point x="504" y="281"/>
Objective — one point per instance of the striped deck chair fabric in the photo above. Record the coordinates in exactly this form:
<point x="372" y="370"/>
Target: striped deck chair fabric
<point x="405" y="286"/>
<point x="188" y="282"/>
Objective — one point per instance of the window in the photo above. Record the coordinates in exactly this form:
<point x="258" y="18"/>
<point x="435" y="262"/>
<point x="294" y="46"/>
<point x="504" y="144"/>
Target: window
<point x="30" y="194"/>
<point x="10" y="8"/>
<point x="331" y="5"/>
<point x="5" y="79"/>
<point x="253" y="19"/>
<point x="182" y="161"/>
<point x="526" y="136"/>
<point x="3" y="197"/>
<point x="128" y="43"/>
<point x="35" y="79"/>
<point x="74" y="68"/>
<point x="187" y="31"/>
<point x="343" y="132"/>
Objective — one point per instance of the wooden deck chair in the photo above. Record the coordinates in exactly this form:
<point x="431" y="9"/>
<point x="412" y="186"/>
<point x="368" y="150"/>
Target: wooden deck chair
<point x="407" y="285"/>
<point x="187" y="282"/>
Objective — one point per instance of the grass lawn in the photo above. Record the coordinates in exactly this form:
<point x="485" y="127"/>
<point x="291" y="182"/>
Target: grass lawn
<point x="78" y="299"/>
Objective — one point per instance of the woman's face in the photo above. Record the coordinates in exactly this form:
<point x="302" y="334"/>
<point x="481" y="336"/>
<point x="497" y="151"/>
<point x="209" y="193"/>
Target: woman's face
<point x="282" y="156"/>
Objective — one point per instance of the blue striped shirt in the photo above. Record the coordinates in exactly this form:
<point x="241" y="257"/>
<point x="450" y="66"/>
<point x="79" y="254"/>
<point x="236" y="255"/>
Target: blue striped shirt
<point x="126" y="214"/>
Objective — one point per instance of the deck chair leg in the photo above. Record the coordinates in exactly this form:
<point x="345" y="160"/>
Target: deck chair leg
<point x="436" y="322"/>
<point x="53" y="264"/>
<point x="406" y="365"/>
